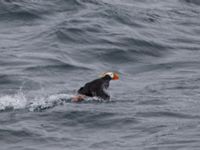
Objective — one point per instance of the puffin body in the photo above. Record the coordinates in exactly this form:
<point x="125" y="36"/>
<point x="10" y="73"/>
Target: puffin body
<point x="96" y="88"/>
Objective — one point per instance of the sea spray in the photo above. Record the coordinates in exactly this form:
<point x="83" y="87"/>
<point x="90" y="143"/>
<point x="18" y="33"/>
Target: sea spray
<point x="16" y="101"/>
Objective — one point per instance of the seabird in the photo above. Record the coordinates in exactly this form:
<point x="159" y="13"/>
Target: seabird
<point x="96" y="88"/>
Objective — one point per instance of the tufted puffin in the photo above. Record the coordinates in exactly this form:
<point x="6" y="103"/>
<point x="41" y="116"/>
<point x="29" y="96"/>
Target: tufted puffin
<point x="96" y="88"/>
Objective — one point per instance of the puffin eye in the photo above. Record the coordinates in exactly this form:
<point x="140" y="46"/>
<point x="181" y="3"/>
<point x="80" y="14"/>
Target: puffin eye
<point x="111" y="74"/>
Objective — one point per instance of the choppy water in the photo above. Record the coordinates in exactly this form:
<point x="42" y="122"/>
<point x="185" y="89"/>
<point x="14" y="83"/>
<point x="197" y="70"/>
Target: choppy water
<point x="49" y="48"/>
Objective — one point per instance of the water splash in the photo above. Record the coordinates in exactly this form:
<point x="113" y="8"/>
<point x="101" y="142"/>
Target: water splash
<point x="41" y="103"/>
<point x="17" y="101"/>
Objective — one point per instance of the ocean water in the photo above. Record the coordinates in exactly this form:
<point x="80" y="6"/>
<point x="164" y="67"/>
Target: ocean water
<point x="49" y="48"/>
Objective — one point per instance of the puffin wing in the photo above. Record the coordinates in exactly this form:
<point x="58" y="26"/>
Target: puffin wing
<point x="95" y="88"/>
<point x="102" y="94"/>
<point x="85" y="90"/>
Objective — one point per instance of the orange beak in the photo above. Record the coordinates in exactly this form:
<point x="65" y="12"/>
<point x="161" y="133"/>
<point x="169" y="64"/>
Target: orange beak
<point x="116" y="77"/>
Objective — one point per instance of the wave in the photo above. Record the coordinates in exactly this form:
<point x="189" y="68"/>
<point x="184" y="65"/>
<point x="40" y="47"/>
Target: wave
<point x="18" y="10"/>
<point x="56" y="67"/>
<point x="196" y="2"/>
<point x="35" y="9"/>
<point x="167" y="114"/>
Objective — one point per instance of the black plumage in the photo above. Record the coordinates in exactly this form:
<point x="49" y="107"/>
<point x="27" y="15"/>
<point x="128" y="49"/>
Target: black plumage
<point x="96" y="88"/>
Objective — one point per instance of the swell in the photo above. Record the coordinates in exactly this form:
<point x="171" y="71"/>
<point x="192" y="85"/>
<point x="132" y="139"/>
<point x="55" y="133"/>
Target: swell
<point x="31" y="10"/>
<point x="55" y="64"/>
<point x="196" y="2"/>
<point x="16" y="10"/>
<point x="11" y="133"/>
<point x="94" y="37"/>
<point x="167" y="114"/>
<point x="92" y="119"/>
<point x="117" y="47"/>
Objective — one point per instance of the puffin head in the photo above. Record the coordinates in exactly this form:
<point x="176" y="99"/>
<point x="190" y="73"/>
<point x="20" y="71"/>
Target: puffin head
<point x="112" y="75"/>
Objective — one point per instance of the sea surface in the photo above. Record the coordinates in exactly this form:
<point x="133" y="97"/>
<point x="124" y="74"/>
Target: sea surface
<point x="49" y="48"/>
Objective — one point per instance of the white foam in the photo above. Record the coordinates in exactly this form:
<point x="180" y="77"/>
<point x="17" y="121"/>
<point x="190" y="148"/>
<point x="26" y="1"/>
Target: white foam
<point x="17" y="101"/>
<point x="40" y="103"/>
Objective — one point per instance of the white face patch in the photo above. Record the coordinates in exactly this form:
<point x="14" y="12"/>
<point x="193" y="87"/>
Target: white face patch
<point x="110" y="74"/>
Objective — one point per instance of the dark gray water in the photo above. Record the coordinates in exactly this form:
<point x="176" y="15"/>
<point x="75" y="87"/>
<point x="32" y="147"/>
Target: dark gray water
<point x="49" y="48"/>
